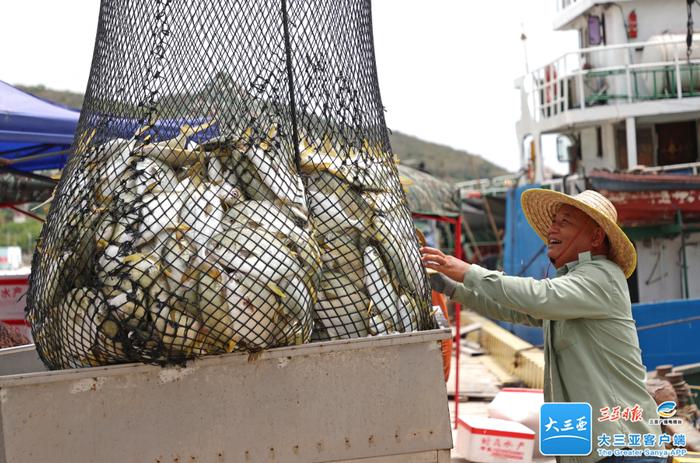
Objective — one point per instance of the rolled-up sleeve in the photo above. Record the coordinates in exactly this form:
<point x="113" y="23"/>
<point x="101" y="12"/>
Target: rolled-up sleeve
<point x="581" y="293"/>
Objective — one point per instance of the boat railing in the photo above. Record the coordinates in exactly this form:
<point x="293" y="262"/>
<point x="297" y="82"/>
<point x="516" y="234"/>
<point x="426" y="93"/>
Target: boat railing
<point x="570" y="184"/>
<point x="503" y="182"/>
<point x="573" y="82"/>
<point x="691" y="168"/>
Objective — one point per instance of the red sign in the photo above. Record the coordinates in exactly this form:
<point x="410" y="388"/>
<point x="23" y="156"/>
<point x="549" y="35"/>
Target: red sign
<point x="12" y="298"/>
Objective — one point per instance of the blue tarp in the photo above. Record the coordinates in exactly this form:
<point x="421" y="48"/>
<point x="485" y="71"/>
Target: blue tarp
<point x="30" y="126"/>
<point x="524" y="255"/>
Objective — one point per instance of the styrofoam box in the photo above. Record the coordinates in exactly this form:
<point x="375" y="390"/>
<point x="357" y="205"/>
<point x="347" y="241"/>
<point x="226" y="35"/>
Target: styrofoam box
<point x="490" y="440"/>
<point x="520" y="405"/>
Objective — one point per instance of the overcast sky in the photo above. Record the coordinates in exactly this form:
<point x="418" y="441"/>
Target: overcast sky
<point x="446" y="67"/>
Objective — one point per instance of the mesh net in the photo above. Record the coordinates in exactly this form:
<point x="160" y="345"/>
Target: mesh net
<point x="231" y="187"/>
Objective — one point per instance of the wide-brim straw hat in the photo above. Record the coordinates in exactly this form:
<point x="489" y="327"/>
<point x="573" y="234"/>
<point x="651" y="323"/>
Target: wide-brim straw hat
<point x="540" y="207"/>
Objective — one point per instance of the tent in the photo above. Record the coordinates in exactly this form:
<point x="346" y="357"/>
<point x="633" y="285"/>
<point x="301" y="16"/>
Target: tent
<point x="34" y="133"/>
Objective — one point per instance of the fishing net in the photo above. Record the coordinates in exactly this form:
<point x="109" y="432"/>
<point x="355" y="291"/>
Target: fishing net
<point x="231" y="188"/>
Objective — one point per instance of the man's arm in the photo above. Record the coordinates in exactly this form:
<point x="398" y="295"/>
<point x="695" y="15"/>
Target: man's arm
<point x="583" y="293"/>
<point x="483" y="305"/>
<point x="476" y="301"/>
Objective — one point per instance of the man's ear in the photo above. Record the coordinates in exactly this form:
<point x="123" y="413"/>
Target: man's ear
<point x="598" y="237"/>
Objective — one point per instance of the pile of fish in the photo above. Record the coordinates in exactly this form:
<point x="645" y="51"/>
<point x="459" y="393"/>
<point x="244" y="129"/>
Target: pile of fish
<point x="174" y="249"/>
<point x="190" y="249"/>
<point x="372" y="282"/>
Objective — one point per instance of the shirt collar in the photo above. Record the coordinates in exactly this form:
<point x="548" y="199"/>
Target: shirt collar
<point x="582" y="257"/>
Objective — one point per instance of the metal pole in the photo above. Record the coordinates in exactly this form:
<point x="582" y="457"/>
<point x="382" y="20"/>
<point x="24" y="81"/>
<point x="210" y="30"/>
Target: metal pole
<point x="458" y="310"/>
<point x="631" y="129"/>
<point x="684" y="257"/>
<point x="494" y="228"/>
<point x="679" y="88"/>
<point x="581" y="92"/>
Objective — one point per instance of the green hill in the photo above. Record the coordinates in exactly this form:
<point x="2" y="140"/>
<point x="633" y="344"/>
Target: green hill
<point x="62" y="97"/>
<point x="439" y="160"/>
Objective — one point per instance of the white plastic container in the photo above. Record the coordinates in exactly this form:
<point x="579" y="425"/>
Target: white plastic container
<point x="490" y="440"/>
<point x="520" y="405"/>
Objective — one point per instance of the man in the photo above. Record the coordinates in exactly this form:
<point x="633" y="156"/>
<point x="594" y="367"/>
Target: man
<point x="590" y="341"/>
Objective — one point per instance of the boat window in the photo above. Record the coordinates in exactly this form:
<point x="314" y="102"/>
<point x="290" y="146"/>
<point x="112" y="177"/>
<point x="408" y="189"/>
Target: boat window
<point x="567" y="148"/>
<point x="677" y="143"/>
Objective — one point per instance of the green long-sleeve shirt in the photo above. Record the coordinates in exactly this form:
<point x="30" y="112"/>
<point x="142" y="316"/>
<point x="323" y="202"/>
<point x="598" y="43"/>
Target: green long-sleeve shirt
<point x="591" y="348"/>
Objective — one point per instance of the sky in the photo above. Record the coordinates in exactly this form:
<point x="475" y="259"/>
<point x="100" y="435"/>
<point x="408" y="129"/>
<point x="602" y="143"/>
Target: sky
<point x="446" y="67"/>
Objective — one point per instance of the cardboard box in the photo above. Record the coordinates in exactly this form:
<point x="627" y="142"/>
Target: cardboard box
<point x="492" y="440"/>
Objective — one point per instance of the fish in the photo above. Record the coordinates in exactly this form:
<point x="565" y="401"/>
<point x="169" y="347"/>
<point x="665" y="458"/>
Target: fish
<point x="275" y="170"/>
<point x="399" y="247"/>
<point x="341" y="309"/>
<point x="149" y="176"/>
<point x="113" y="161"/>
<point x="312" y="160"/>
<point x="296" y="304"/>
<point x="267" y="216"/>
<point x="409" y="313"/>
<point x="227" y="193"/>
<point x="384" y="202"/>
<point x="384" y="317"/>
<point x="174" y="152"/>
<point x="343" y="252"/>
<point x="126" y="304"/>
<point x="255" y="252"/>
<point x="79" y="317"/>
<point x="179" y="332"/>
<point x="179" y="273"/>
<point x="335" y="206"/>
<point x="156" y="213"/>
<point x="256" y="311"/>
<point x="216" y="320"/>
<point x="202" y="212"/>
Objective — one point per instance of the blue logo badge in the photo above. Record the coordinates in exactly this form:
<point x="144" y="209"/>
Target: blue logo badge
<point x="666" y="409"/>
<point x="565" y="429"/>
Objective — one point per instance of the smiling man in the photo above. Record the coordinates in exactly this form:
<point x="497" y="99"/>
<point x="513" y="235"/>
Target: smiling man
<point x="590" y="340"/>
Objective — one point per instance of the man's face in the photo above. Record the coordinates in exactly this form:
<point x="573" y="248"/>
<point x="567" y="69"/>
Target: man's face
<point x="569" y="235"/>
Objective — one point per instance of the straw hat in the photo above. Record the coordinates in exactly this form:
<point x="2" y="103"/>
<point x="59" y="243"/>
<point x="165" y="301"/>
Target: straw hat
<point x="540" y="206"/>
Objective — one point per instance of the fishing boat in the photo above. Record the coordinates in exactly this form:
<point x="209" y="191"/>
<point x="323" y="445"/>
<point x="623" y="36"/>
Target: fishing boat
<point x="624" y="108"/>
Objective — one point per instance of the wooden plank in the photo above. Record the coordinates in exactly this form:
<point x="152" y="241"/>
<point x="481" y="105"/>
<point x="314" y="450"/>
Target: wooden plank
<point x="515" y="355"/>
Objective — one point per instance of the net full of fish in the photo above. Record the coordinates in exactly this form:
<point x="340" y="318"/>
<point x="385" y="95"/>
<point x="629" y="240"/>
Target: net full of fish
<point x="372" y="281"/>
<point x="186" y="249"/>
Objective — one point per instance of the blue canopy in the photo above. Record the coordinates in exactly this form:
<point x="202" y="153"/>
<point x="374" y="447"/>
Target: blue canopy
<point x="31" y="126"/>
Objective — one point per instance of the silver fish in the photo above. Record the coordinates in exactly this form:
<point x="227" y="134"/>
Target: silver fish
<point x="401" y="252"/>
<point x="343" y="252"/>
<point x="384" y="300"/>
<point x="338" y="209"/>
<point x="113" y="161"/>
<point x="79" y="317"/>
<point x="149" y="175"/>
<point x="256" y="312"/>
<point x="202" y="212"/>
<point x="256" y="252"/>
<point x="341" y="309"/>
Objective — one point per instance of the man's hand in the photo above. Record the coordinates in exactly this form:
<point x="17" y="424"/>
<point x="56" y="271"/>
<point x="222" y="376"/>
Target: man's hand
<point x="449" y="266"/>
